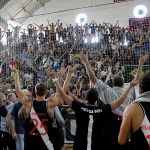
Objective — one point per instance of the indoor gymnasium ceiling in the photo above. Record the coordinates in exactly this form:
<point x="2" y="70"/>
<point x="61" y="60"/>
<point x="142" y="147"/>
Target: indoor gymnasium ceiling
<point x="19" y="10"/>
<point x="37" y="11"/>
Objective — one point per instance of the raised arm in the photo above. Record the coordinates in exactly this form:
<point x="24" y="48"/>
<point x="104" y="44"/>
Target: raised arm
<point x="37" y="25"/>
<point x="30" y="26"/>
<point x="116" y="104"/>
<point x="62" y="56"/>
<point x="142" y="61"/>
<point x="116" y="24"/>
<point x="108" y="74"/>
<point x="12" y="26"/>
<point x="23" y="98"/>
<point x="48" y="23"/>
<point x="76" y="98"/>
<point x="54" y="101"/>
<point x="57" y="23"/>
<point x="78" y="81"/>
<point x="89" y="70"/>
<point x="11" y="125"/>
<point x="68" y="99"/>
<point x="68" y="78"/>
<point x="90" y="23"/>
<point x="107" y="25"/>
<point x="80" y="87"/>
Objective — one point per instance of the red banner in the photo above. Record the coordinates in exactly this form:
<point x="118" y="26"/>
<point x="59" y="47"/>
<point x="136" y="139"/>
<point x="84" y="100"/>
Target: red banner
<point x="119" y="0"/>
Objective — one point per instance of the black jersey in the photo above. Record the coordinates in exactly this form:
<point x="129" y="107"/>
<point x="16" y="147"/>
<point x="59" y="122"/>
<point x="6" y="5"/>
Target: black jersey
<point x="140" y="139"/>
<point x="33" y="138"/>
<point x="94" y="125"/>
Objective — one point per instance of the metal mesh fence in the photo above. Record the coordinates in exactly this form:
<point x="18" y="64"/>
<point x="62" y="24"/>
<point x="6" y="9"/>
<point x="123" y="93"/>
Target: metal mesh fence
<point x="56" y="45"/>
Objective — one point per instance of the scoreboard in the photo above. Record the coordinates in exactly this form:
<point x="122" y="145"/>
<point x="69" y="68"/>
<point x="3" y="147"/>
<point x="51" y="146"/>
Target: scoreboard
<point x="140" y="23"/>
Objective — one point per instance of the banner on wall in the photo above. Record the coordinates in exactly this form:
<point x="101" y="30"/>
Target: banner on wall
<point x="120" y="0"/>
<point x="140" y="23"/>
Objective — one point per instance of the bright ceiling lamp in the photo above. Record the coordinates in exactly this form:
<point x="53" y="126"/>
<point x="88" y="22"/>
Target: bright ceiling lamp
<point x="81" y="19"/>
<point x="140" y="11"/>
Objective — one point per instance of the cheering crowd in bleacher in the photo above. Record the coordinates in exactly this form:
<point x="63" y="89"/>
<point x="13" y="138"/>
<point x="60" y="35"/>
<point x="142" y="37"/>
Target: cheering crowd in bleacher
<point x="90" y="63"/>
<point x="58" y="45"/>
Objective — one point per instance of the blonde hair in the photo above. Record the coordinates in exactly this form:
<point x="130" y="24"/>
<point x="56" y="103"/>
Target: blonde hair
<point x="9" y="95"/>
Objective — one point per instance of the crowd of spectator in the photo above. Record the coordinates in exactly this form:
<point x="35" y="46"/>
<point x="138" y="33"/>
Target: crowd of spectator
<point x="57" y="46"/>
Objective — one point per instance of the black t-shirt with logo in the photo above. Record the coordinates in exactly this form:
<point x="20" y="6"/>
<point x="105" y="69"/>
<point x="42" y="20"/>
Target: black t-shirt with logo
<point x="19" y="123"/>
<point x="104" y="123"/>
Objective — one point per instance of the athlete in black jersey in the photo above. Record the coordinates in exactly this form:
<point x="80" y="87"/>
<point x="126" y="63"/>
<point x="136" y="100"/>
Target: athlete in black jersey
<point x="43" y="109"/>
<point x="136" y="120"/>
<point x="90" y="117"/>
<point x="32" y="136"/>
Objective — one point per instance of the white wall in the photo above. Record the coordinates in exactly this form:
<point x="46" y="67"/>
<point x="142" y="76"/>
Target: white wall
<point x="108" y="13"/>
